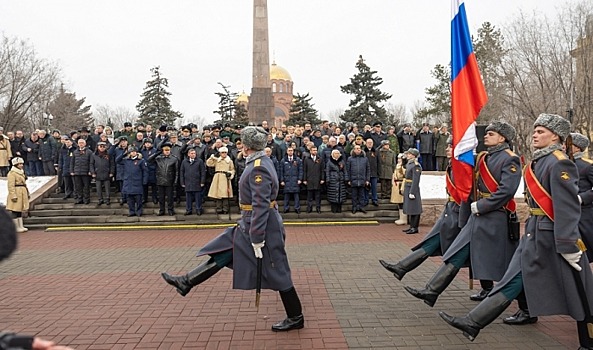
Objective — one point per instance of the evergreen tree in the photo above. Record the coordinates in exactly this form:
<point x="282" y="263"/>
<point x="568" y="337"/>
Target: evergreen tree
<point x="69" y="112"/>
<point x="154" y="106"/>
<point x="438" y="96"/>
<point x="240" y="115"/>
<point x="366" y="107"/>
<point x="302" y="111"/>
<point x="227" y="104"/>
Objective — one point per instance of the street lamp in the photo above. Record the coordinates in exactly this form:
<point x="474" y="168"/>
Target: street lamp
<point x="48" y="117"/>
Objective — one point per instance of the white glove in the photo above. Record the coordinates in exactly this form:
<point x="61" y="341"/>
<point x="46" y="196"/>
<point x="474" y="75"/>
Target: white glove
<point x="580" y="199"/>
<point x="411" y="196"/>
<point x="474" y="208"/>
<point x="573" y="259"/>
<point x="257" y="249"/>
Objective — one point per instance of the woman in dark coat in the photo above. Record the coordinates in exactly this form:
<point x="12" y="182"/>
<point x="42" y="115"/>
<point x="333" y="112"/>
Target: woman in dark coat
<point x="336" y="177"/>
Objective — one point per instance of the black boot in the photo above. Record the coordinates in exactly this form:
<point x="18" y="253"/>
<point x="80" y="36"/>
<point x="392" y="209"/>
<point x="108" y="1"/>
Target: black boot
<point x="481" y="316"/>
<point x="196" y="276"/>
<point x="294" y="312"/>
<point x="436" y="285"/>
<point x="585" y="339"/>
<point x="520" y="317"/>
<point x="407" y="264"/>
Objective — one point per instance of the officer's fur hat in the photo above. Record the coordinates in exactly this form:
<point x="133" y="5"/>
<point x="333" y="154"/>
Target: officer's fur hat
<point x="580" y="140"/>
<point x="555" y="124"/>
<point x="505" y="129"/>
<point x="254" y="137"/>
<point x="8" y="238"/>
<point x="413" y="152"/>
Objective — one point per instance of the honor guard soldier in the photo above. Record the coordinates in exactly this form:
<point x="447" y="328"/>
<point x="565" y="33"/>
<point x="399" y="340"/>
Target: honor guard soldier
<point x="498" y="173"/>
<point x="412" y="201"/>
<point x="259" y="234"/>
<point x="585" y="167"/>
<point x="549" y="264"/>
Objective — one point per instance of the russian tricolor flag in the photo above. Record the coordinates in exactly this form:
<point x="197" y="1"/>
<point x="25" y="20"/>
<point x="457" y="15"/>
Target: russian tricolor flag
<point x="468" y="96"/>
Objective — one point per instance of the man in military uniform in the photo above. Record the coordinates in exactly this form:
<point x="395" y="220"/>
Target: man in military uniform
<point x="549" y="264"/>
<point x="259" y="234"/>
<point x="486" y="231"/>
<point x="443" y="233"/>
<point x="412" y="201"/>
<point x="585" y="166"/>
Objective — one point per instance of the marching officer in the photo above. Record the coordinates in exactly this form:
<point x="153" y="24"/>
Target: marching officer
<point x="259" y="234"/>
<point x="549" y="264"/>
<point x="412" y="201"/>
<point x="443" y="233"/>
<point x="487" y="230"/>
<point x="585" y="166"/>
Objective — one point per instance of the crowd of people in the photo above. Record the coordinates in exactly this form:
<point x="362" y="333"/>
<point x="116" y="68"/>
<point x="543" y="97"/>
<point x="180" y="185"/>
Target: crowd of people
<point x="165" y="164"/>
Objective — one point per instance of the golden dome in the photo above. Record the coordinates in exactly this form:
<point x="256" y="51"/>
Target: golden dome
<point x="279" y="73"/>
<point x="243" y="98"/>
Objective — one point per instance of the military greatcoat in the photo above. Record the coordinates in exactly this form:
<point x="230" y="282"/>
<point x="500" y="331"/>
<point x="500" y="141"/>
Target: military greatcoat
<point x="412" y="185"/>
<point x="491" y="249"/>
<point x="258" y="187"/>
<point x="585" y="168"/>
<point x="548" y="279"/>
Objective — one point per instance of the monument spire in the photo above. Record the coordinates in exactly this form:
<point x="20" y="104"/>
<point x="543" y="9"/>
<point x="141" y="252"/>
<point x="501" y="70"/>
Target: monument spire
<point x="261" y="102"/>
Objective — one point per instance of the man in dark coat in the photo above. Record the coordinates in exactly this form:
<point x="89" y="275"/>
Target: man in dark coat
<point x="412" y="201"/>
<point x="64" y="158"/>
<point x="167" y="176"/>
<point x="549" y="263"/>
<point x="313" y="179"/>
<point x="406" y="138"/>
<point x="240" y="246"/>
<point x="440" y="237"/>
<point x="80" y="169"/>
<point x="377" y="134"/>
<point x="487" y="229"/>
<point x="370" y="192"/>
<point x="147" y="150"/>
<point x="387" y="163"/>
<point x="291" y="175"/>
<point x="102" y="170"/>
<point x="359" y="172"/>
<point x="31" y="149"/>
<point x="192" y="177"/>
<point x="120" y="147"/>
<point x="48" y="153"/>
<point x="135" y="177"/>
<point x="585" y="166"/>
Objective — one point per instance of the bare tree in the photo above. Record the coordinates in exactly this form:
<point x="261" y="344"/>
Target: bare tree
<point x="196" y="119"/>
<point x="27" y="84"/>
<point x="397" y="114"/>
<point x="334" y="115"/>
<point x="115" y="117"/>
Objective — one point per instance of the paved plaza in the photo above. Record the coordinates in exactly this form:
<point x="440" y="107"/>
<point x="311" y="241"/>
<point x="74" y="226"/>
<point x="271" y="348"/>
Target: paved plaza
<point x="103" y="290"/>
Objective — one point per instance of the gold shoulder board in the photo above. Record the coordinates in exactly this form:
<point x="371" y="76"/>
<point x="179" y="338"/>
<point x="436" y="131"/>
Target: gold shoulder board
<point x="257" y="162"/>
<point x="560" y="155"/>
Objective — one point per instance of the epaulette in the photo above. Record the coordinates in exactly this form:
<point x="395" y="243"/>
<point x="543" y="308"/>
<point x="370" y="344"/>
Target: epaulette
<point x="587" y="160"/>
<point x="560" y="155"/>
<point x="511" y="153"/>
<point x="257" y="162"/>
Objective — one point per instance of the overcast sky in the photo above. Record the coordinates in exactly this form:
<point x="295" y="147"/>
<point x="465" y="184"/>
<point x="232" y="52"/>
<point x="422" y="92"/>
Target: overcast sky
<point x="107" y="47"/>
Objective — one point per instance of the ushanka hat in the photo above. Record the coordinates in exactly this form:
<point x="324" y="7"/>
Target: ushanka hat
<point x="555" y="124"/>
<point x="254" y="137"/>
<point x="414" y="152"/>
<point x="505" y="129"/>
<point x="580" y="140"/>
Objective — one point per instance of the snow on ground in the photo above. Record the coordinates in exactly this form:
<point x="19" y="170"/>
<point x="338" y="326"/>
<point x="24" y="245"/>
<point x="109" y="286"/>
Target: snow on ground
<point x="33" y="184"/>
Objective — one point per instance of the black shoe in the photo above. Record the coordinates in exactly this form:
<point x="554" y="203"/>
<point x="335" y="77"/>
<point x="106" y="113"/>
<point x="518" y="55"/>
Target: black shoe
<point x="108" y="202"/>
<point x="289" y="323"/>
<point x="286" y="210"/>
<point x="87" y="202"/>
<point x="298" y="211"/>
<point x="339" y="209"/>
<point x="171" y="213"/>
<point x="412" y="231"/>
<point x="155" y="201"/>
<point x="318" y="210"/>
<point x="78" y="202"/>
<point x="362" y="210"/>
<point x="309" y="210"/>
<point x="481" y="295"/>
<point x="375" y="204"/>
<point x="187" y="213"/>
<point x="67" y="196"/>
<point x="131" y="214"/>
<point x="198" y="212"/>
<point x="354" y="211"/>
<point x="161" y="213"/>
<point x="406" y="230"/>
<point x="100" y="202"/>
<point x="520" y="317"/>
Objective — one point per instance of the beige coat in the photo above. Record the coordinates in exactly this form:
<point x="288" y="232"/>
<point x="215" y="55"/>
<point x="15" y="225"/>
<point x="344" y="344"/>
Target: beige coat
<point x="220" y="183"/>
<point x="5" y="151"/>
<point x="398" y="185"/>
<point x="18" y="194"/>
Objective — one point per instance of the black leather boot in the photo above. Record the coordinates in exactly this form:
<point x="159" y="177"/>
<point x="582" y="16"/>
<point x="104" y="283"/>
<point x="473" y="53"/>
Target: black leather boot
<point x="407" y="264"/>
<point x="436" y="285"/>
<point x="294" y="312"/>
<point x="481" y="316"/>
<point x="520" y="317"/>
<point x="289" y="323"/>
<point x="185" y="283"/>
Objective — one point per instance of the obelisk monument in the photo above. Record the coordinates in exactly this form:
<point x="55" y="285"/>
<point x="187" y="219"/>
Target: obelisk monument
<point x="261" y="102"/>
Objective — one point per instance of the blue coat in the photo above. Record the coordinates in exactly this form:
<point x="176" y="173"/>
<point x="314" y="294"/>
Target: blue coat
<point x="135" y="174"/>
<point x="115" y="152"/>
<point x="192" y="175"/>
<point x="359" y="170"/>
<point x="258" y="187"/>
<point x="146" y="153"/>
<point x="291" y="173"/>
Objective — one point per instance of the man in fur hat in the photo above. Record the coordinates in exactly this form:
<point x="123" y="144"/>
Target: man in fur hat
<point x="487" y="231"/>
<point x="240" y="246"/>
<point x="549" y="263"/>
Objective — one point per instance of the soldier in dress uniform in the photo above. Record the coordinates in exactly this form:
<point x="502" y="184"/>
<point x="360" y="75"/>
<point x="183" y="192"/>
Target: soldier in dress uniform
<point x="549" y="264"/>
<point x="443" y="233"/>
<point x="412" y="201"/>
<point x="258" y="234"/>
<point x="585" y="166"/>
<point x="486" y="231"/>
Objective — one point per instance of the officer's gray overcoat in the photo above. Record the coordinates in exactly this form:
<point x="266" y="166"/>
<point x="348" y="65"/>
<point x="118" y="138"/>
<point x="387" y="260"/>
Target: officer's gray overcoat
<point x="585" y="167"/>
<point x="412" y="185"/>
<point x="258" y="187"/>
<point x="547" y="278"/>
<point x="491" y="249"/>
